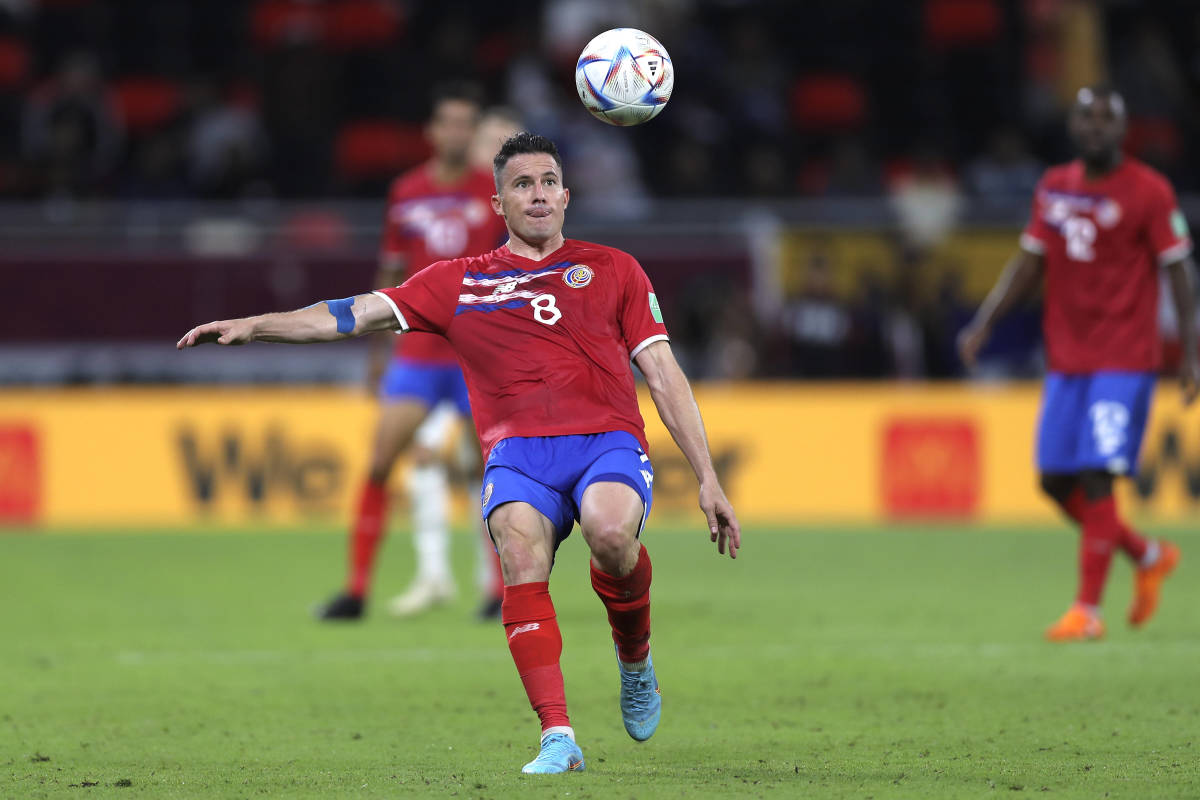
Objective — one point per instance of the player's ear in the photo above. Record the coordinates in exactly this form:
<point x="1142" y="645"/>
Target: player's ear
<point x="566" y="196"/>
<point x="497" y="205"/>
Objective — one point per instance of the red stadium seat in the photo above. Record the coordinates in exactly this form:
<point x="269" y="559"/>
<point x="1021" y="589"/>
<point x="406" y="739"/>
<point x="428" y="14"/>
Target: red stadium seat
<point x="1155" y="138"/>
<point x="355" y="24"/>
<point x="316" y="229"/>
<point x="147" y="102"/>
<point x="828" y="103"/>
<point x="952" y="24"/>
<point x="378" y="148"/>
<point x="14" y="63"/>
<point x="274" y="23"/>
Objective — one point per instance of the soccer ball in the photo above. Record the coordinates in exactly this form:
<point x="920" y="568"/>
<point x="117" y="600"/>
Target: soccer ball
<point x="624" y="77"/>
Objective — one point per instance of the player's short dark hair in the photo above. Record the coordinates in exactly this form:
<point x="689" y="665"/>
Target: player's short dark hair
<point x="465" y="91"/>
<point x="520" y="144"/>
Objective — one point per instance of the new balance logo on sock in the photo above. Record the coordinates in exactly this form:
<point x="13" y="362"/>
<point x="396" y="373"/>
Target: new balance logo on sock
<point x="526" y="628"/>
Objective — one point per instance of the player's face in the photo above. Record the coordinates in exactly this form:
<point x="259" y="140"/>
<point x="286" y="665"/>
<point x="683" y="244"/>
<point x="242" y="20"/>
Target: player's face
<point x="1097" y="128"/>
<point x="451" y="129"/>
<point x="531" y="197"/>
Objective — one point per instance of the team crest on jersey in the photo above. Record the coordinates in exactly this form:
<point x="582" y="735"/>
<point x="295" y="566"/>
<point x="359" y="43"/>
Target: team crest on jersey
<point x="578" y="276"/>
<point x="1108" y="213"/>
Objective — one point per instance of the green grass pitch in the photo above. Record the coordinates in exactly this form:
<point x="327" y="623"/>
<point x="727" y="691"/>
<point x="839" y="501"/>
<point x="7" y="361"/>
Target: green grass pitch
<point x="891" y="663"/>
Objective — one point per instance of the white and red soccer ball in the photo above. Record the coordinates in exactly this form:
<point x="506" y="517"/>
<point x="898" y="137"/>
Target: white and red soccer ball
<point x="624" y="77"/>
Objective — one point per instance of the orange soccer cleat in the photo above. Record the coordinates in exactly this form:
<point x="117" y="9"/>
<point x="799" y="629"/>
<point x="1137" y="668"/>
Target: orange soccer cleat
<point x="1077" y="625"/>
<point x="1147" y="583"/>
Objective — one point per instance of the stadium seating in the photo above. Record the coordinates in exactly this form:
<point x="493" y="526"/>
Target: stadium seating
<point x="147" y="102"/>
<point x="373" y="148"/>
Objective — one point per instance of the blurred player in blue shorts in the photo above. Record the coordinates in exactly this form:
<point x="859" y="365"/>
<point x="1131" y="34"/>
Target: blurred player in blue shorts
<point x="1102" y="229"/>
<point x="440" y="209"/>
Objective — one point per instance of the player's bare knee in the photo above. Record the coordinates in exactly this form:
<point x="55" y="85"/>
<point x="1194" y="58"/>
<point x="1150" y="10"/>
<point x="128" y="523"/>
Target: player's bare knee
<point x="1097" y="484"/>
<point x="378" y="473"/>
<point x="522" y="559"/>
<point x="1057" y="487"/>
<point x="423" y="456"/>
<point x="611" y="543"/>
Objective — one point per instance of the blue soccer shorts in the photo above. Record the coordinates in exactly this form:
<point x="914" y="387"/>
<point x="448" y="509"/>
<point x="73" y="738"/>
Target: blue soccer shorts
<point x="552" y="472"/>
<point x="426" y="383"/>
<point x="1093" y="421"/>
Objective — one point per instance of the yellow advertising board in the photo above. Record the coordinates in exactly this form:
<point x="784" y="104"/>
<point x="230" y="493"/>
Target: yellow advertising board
<point x="858" y="258"/>
<point x="794" y="453"/>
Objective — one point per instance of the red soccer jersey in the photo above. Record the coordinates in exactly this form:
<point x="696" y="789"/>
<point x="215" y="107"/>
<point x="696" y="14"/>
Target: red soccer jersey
<point x="544" y="345"/>
<point x="1104" y="241"/>
<point x="428" y="222"/>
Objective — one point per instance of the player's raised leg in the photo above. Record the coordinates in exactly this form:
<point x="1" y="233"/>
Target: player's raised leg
<point x="398" y="421"/>
<point x="611" y="517"/>
<point x="525" y="538"/>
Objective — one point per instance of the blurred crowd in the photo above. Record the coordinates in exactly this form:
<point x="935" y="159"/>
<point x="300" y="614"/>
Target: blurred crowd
<point x="298" y="98"/>
<point x="932" y="105"/>
<point x="899" y="321"/>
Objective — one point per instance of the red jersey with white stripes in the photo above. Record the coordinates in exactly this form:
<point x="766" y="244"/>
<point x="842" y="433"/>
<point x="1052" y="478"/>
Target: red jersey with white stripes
<point x="427" y="222"/>
<point x="1104" y="241"/>
<point x="545" y="346"/>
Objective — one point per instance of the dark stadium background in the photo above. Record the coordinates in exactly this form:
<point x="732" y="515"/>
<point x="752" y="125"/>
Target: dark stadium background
<point x="214" y="157"/>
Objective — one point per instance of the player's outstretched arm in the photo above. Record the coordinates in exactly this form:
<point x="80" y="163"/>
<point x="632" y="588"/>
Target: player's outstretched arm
<point x="1182" y="274"/>
<point x="1022" y="273"/>
<point x="677" y="407"/>
<point x="327" y="321"/>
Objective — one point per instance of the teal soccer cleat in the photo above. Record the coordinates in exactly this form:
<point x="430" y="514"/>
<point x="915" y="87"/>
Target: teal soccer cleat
<point x="641" y="700"/>
<point x="559" y="754"/>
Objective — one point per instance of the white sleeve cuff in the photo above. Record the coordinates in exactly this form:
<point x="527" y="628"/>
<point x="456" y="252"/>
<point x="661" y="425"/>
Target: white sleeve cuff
<point x="1176" y="252"/>
<point x="658" y="337"/>
<point x="395" y="310"/>
<point x="1033" y="245"/>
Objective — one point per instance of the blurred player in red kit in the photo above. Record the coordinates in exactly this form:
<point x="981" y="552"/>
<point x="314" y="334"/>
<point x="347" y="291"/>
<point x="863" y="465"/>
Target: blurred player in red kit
<point x="1101" y="229"/>
<point x="545" y="329"/>
<point x="441" y="209"/>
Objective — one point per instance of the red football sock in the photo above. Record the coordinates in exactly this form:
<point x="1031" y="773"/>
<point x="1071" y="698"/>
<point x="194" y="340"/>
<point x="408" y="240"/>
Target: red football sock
<point x="1076" y="503"/>
<point x="1133" y="544"/>
<point x="365" y="537"/>
<point x="536" y="644"/>
<point x="628" y="602"/>
<point x="1101" y="533"/>
<point x="1130" y="542"/>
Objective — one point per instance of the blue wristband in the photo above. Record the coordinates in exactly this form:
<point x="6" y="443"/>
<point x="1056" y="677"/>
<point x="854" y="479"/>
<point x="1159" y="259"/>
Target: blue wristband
<point x="341" y="310"/>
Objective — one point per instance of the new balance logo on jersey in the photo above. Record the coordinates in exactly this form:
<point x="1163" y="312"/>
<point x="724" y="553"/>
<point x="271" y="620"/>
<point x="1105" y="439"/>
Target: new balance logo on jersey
<point x="526" y="628"/>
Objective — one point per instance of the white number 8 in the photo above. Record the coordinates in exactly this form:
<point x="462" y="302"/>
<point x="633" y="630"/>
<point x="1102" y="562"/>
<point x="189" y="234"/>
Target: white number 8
<point x="1080" y="233"/>
<point x="544" y="309"/>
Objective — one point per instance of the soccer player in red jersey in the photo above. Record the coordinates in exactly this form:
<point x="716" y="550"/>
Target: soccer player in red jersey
<point x="545" y="329"/>
<point x="1101" y="228"/>
<point x="440" y="209"/>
